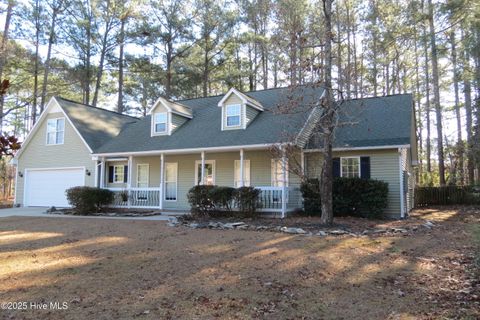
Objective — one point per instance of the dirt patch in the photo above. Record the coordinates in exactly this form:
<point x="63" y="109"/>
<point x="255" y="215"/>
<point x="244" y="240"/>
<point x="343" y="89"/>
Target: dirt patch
<point x="110" y="269"/>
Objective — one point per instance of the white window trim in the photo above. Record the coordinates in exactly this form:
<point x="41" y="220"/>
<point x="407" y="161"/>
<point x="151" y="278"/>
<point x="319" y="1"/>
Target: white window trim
<point x="123" y="173"/>
<point x="167" y="124"/>
<point x="199" y="162"/>
<point x="240" y="116"/>
<point x="46" y="138"/>
<point x="148" y="173"/>
<point x="165" y="182"/>
<point x="248" y="177"/>
<point x="359" y="166"/>
<point x="272" y="166"/>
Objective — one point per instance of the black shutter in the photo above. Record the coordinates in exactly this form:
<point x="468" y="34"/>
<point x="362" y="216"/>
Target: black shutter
<point x="365" y="167"/>
<point x="110" y="174"/>
<point x="125" y="174"/>
<point x="336" y="167"/>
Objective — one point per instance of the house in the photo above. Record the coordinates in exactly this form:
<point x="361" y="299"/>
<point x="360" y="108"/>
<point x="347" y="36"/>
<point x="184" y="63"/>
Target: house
<point x="152" y="162"/>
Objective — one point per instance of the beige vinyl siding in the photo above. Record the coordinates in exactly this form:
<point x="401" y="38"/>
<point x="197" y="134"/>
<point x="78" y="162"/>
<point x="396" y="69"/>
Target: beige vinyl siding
<point x="177" y="121"/>
<point x="260" y="173"/>
<point x="250" y="113"/>
<point x="37" y="154"/>
<point x="384" y="166"/>
<point x="233" y="99"/>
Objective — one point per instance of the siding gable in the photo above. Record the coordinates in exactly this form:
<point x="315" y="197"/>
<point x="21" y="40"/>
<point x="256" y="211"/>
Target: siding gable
<point x="37" y="154"/>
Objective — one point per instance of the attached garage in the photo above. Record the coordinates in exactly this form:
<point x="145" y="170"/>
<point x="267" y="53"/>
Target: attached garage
<point x="46" y="187"/>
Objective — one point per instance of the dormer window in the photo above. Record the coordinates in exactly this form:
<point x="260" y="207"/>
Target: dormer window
<point x="238" y="110"/>
<point x="160" y="122"/>
<point x="168" y="116"/>
<point x="234" y="113"/>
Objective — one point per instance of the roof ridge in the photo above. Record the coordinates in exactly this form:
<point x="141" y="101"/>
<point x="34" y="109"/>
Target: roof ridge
<point x="380" y="97"/>
<point x="98" y="108"/>
<point x="246" y="92"/>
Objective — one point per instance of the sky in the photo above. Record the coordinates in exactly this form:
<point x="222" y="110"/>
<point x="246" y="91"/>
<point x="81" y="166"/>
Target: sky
<point x="68" y="53"/>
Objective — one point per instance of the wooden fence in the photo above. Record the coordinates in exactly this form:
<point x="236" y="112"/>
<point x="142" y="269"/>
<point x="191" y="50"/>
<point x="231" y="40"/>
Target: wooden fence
<point x="428" y="196"/>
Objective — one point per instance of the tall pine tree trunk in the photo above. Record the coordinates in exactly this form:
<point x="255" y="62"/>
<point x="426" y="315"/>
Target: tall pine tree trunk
<point x="419" y="108"/>
<point x="3" y="54"/>
<point x="436" y="96"/>
<point x="459" y="148"/>
<point x="327" y="122"/>
<point x="120" y="66"/>
<point x="51" y="39"/>
<point x="427" y="96"/>
<point x="35" y="71"/>
<point x="467" y="91"/>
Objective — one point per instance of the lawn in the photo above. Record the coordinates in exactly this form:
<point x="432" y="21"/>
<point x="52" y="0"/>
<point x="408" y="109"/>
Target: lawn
<point x="111" y="269"/>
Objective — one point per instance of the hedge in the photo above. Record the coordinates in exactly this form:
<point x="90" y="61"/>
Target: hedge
<point x="205" y="199"/>
<point x="351" y="196"/>
<point x="88" y="200"/>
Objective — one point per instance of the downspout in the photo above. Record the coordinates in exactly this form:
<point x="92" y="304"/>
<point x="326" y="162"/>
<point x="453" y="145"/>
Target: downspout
<point x="284" y="184"/>
<point x="402" y="194"/>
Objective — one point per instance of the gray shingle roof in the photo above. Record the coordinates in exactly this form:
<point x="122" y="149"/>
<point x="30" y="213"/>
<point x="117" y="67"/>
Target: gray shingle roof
<point x="204" y="130"/>
<point x="97" y="126"/>
<point x="373" y="122"/>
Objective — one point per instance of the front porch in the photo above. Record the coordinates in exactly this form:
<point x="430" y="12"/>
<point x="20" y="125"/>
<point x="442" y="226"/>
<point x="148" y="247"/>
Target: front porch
<point x="162" y="181"/>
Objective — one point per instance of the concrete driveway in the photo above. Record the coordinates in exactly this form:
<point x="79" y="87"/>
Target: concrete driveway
<point x="40" y="212"/>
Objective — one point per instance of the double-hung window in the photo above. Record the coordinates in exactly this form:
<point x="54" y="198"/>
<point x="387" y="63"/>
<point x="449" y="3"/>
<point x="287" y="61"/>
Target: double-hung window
<point x="171" y="174"/>
<point x="160" y="122"/>
<point x="277" y="173"/>
<point x="209" y="172"/>
<point x="350" y="167"/>
<point x="233" y="115"/>
<point x="119" y="174"/>
<point x="55" y="131"/>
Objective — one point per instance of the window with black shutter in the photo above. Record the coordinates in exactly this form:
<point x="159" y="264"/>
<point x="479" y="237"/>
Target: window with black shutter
<point x="365" y="167"/>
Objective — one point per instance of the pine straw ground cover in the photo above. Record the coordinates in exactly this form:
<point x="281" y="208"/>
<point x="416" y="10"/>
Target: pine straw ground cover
<point x="113" y="269"/>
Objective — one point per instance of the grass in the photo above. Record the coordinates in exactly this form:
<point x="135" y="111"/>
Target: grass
<point x="113" y="269"/>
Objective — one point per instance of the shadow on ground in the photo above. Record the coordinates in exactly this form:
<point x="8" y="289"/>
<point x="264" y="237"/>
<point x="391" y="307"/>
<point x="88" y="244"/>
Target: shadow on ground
<point x="109" y="269"/>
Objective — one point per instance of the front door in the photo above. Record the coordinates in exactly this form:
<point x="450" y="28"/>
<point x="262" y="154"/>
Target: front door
<point x="142" y="175"/>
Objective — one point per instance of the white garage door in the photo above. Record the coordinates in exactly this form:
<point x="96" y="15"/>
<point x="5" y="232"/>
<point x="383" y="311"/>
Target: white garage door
<point x="45" y="188"/>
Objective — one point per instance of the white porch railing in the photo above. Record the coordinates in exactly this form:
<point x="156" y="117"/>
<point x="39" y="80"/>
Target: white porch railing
<point x="136" y="197"/>
<point x="270" y="198"/>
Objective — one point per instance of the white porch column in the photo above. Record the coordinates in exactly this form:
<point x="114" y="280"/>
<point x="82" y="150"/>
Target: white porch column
<point x="302" y="162"/>
<point x="129" y="172"/>
<point x="162" y="180"/>
<point x="242" y="182"/>
<point x="202" y="175"/>
<point x="102" y="173"/>
<point x="129" y="180"/>
<point x="284" y="184"/>
<point x="97" y="178"/>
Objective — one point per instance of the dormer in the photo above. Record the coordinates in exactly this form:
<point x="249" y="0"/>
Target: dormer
<point x="238" y="110"/>
<point x="168" y="116"/>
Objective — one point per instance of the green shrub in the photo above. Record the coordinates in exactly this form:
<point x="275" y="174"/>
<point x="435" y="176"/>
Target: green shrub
<point x="88" y="200"/>
<point x="310" y="190"/>
<point x="351" y="196"/>
<point x="200" y="199"/>
<point x="246" y="199"/>
<point x="359" y="197"/>
<point x="222" y="197"/>
<point x="205" y="200"/>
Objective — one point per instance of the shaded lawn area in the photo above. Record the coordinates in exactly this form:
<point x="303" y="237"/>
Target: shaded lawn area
<point x="111" y="269"/>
